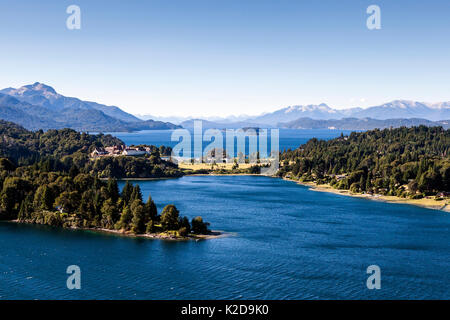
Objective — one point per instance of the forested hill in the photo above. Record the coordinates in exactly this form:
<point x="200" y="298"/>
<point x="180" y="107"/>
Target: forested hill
<point x="66" y="149"/>
<point x="361" y="124"/>
<point x="411" y="162"/>
<point x="49" y="178"/>
<point x="26" y="147"/>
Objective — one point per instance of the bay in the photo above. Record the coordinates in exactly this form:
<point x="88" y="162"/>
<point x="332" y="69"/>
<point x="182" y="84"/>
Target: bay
<point x="288" y="242"/>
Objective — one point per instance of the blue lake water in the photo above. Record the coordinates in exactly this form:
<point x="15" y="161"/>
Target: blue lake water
<point x="288" y="138"/>
<point x="289" y="243"/>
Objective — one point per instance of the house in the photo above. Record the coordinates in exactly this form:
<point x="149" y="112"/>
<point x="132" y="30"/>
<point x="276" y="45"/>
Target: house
<point x="115" y="150"/>
<point x="98" y="152"/>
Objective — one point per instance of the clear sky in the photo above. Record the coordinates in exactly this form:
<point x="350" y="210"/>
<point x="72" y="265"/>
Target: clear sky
<point x="203" y="58"/>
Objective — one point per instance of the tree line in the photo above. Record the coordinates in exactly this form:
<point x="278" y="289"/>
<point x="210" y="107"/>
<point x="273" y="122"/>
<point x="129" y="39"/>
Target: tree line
<point x="407" y="162"/>
<point x="79" y="200"/>
<point x="59" y="150"/>
<point x="48" y="178"/>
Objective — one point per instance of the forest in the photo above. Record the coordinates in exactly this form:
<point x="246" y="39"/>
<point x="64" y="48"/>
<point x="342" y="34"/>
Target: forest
<point x="79" y="200"/>
<point x="405" y="162"/>
<point x="47" y="178"/>
<point x="60" y="150"/>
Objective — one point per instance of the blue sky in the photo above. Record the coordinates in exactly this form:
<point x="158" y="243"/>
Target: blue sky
<point x="203" y="58"/>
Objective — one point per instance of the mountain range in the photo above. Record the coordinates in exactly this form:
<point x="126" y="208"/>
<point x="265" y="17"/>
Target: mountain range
<point x="360" y="124"/>
<point x="39" y="106"/>
<point x="392" y="113"/>
<point x="392" y="110"/>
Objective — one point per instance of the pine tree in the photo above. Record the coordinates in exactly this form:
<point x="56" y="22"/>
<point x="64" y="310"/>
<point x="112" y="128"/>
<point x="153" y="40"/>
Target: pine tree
<point x="136" y="194"/>
<point x="127" y="191"/>
<point x="184" y="223"/>
<point x="138" y="223"/>
<point x="198" y="226"/>
<point x="110" y="214"/>
<point x="125" y="219"/>
<point x="113" y="189"/>
<point x="25" y="208"/>
<point x="170" y="218"/>
<point x="150" y="209"/>
<point x="46" y="199"/>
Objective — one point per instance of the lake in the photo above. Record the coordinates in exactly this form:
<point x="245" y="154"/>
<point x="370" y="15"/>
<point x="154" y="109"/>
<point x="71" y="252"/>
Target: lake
<point x="288" y="243"/>
<point x="288" y="138"/>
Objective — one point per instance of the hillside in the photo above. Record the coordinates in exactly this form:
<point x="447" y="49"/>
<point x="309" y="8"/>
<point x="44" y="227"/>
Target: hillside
<point x="48" y="178"/>
<point x="405" y="162"/>
<point x="66" y="148"/>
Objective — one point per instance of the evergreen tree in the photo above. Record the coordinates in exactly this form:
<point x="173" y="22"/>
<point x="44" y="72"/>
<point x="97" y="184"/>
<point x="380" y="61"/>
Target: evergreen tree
<point x="47" y="199"/>
<point x="26" y="208"/>
<point x="110" y="214"/>
<point x="150" y="209"/>
<point x="43" y="198"/>
<point x="125" y="219"/>
<point x="113" y="189"/>
<point x="87" y="210"/>
<point x="127" y="191"/>
<point x="184" y="223"/>
<point x="136" y="194"/>
<point x="198" y="226"/>
<point x="170" y="218"/>
<point x="138" y="223"/>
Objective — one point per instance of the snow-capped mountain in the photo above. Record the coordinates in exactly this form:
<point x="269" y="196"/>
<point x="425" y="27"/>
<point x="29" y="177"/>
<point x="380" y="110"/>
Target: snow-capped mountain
<point x="39" y="106"/>
<point x="42" y="95"/>
<point x="321" y="111"/>
<point x="404" y="109"/>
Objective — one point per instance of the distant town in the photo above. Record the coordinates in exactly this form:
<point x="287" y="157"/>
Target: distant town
<point x="120" y="150"/>
<point x="209" y="158"/>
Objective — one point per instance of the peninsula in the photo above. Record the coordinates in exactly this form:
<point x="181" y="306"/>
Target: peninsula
<point x="49" y="178"/>
<point x="402" y="165"/>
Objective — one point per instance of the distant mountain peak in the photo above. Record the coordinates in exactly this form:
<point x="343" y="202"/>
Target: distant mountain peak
<point x="406" y="109"/>
<point x="39" y="106"/>
<point x="43" y="87"/>
<point x="32" y="91"/>
<point x="40" y="87"/>
<point x="309" y="107"/>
